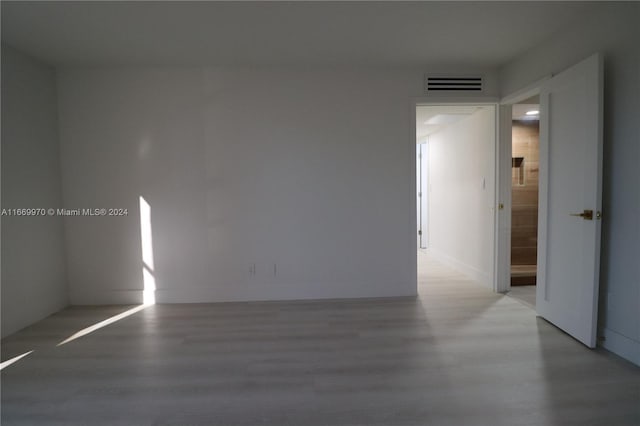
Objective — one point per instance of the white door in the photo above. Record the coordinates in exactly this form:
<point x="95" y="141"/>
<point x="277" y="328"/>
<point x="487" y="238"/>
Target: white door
<point x="570" y="199"/>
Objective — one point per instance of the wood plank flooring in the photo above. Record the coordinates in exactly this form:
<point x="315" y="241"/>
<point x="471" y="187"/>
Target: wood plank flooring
<point x="525" y="294"/>
<point x="457" y="355"/>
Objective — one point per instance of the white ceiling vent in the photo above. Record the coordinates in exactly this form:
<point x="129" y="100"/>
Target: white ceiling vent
<point x="452" y="83"/>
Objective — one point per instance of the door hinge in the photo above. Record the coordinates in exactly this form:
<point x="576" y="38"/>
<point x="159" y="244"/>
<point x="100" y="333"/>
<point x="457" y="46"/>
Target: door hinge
<point x="419" y="194"/>
<point x="420" y="232"/>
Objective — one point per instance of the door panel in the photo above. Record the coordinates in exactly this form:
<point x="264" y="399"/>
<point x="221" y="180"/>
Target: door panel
<point x="570" y="183"/>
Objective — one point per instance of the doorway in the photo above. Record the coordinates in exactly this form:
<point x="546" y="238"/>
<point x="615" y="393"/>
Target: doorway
<point x="525" y="166"/>
<point x="569" y="210"/>
<point x="456" y="188"/>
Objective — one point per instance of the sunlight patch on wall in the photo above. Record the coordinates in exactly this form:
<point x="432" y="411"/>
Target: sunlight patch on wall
<point x="149" y="280"/>
<point x="149" y="292"/>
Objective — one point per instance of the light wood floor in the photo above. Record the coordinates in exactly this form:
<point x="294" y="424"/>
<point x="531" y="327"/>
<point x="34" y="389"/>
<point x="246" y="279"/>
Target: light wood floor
<point x="525" y="294"/>
<point x="457" y="355"/>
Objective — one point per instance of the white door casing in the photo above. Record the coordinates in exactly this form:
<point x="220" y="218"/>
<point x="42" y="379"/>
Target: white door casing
<point x="570" y="183"/>
<point x="423" y="194"/>
<point x="418" y="199"/>
<point x="502" y="261"/>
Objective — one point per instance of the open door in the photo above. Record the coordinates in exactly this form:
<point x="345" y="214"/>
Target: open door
<point x="571" y="199"/>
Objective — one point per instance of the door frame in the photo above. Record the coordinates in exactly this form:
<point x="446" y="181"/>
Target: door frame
<point x="423" y="193"/>
<point x="413" y="222"/>
<point x="501" y="274"/>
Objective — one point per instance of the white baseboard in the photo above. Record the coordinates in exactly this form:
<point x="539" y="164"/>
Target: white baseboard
<point x="472" y="272"/>
<point x="247" y="293"/>
<point x="109" y="297"/>
<point x="621" y="345"/>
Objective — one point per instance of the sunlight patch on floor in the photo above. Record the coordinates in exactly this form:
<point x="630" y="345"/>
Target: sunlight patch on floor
<point x="14" y="360"/>
<point x="102" y="324"/>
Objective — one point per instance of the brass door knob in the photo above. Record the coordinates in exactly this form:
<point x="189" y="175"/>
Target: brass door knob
<point x="586" y="214"/>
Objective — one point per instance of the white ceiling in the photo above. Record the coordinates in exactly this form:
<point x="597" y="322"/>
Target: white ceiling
<point x="519" y="111"/>
<point x="482" y="34"/>
<point x="432" y="119"/>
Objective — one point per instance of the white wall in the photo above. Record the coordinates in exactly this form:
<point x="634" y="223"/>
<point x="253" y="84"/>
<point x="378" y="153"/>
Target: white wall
<point x="33" y="265"/>
<point x="461" y="208"/>
<point x="310" y="170"/>
<point x="615" y="33"/>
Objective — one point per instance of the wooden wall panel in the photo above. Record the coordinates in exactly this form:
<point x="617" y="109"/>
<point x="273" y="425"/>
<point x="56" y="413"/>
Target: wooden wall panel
<point x="524" y="217"/>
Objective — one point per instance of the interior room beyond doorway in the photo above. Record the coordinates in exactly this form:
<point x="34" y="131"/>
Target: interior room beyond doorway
<point x="524" y="198"/>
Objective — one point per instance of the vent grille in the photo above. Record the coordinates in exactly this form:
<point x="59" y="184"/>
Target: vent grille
<point x="453" y="84"/>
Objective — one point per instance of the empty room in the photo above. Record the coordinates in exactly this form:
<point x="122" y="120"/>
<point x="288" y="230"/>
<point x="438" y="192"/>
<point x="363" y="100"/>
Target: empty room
<point x="256" y="213"/>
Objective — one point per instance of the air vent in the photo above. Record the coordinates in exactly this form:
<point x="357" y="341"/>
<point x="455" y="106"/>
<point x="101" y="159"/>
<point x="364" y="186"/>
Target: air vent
<point x="444" y="83"/>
